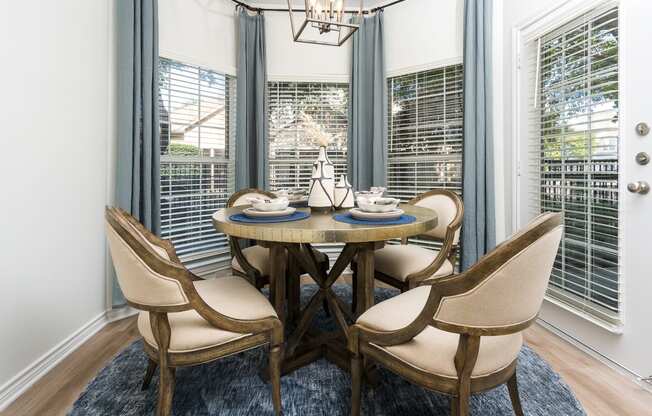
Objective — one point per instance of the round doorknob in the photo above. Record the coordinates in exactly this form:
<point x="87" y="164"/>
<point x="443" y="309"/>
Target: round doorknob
<point x="638" y="187"/>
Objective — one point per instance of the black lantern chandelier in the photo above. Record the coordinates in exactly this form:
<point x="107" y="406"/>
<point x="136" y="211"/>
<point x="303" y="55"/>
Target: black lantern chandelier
<point x="325" y="23"/>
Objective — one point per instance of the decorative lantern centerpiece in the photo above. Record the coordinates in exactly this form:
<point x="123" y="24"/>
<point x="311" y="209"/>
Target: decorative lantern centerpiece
<point x="322" y="182"/>
<point x="324" y="24"/>
<point x="344" y="194"/>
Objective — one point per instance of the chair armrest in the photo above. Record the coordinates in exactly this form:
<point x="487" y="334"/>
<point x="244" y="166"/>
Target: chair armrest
<point x="227" y="323"/>
<point x="402" y="335"/>
<point x="236" y="252"/>
<point x="436" y="264"/>
<point x="439" y="288"/>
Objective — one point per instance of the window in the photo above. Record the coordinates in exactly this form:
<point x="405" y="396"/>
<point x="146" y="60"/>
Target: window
<point x="197" y="118"/>
<point x="574" y="145"/>
<point x="294" y="109"/>
<point x="425" y="131"/>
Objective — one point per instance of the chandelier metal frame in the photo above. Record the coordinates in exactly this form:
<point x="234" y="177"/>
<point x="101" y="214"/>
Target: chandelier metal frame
<point x="326" y="21"/>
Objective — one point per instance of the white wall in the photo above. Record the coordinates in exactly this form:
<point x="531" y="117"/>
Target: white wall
<point x="55" y="118"/>
<point x="421" y="34"/>
<point x="288" y="60"/>
<point x="200" y="32"/>
<point x="204" y="32"/>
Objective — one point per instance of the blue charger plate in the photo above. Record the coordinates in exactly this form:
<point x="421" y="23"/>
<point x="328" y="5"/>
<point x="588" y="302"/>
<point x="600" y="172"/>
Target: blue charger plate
<point x="297" y="216"/>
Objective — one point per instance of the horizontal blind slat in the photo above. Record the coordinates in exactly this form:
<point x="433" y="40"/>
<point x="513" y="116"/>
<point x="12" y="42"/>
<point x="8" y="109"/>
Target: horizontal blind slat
<point x="573" y="151"/>
<point x="197" y="123"/>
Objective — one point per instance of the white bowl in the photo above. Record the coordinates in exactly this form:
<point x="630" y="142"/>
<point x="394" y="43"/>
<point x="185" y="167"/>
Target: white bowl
<point x="377" y="204"/>
<point x="276" y="204"/>
<point x="374" y="193"/>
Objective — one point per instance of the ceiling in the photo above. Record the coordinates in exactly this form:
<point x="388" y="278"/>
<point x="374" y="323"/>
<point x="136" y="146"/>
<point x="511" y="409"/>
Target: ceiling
<point x="297" y="3"/>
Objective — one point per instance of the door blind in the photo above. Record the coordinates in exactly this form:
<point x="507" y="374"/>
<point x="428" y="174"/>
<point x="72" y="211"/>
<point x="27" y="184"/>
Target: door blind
<point x="425" y="118"/>
<point x="197" y="118"/>
<point x="295" y="110"/>
<point x="573" y="163"/>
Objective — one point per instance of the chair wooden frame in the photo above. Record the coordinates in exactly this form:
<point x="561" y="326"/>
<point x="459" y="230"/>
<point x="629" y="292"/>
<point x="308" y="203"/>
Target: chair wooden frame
<point x="448" y="250"/>
<point x="252" y="274"/>
<point x="261" y="331"/>
<point x="368" y="343"/>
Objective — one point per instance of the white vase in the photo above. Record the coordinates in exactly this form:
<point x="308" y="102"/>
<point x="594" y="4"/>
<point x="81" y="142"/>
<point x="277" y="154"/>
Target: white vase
<point x="343" y="193"/>
<point x="322" y="184"/>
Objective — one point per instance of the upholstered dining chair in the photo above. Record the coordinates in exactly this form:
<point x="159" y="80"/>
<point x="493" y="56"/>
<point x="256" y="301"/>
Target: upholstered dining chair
<point x="253" y="262"/>
<point x="462" y="334"/>
<point x="404" y="266"/>
<point x="185" y="320"/>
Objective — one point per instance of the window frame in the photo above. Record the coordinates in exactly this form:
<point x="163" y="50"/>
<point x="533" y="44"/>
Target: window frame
<point x="217" y="255"/>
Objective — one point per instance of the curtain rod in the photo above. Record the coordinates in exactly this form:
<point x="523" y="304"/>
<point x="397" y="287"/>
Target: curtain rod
<point x="262" y="9"/>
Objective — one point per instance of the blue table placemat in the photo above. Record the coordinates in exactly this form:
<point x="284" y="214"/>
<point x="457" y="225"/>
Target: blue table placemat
<point x="298" y="215"/>
<point x="348" y="218"/>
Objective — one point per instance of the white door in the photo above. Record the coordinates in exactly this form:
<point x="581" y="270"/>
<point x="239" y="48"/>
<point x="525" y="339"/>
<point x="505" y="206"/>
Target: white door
<point x="585" y="82"/>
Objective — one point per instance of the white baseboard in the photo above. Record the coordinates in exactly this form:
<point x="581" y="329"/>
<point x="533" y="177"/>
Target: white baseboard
<point x="17" y="385"/>
<point x="636" y="378"/>
<point x="117" y="314"/>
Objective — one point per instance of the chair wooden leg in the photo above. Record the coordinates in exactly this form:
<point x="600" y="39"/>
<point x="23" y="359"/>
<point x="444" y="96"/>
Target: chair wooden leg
<point x="454" y="406"/>
<point x="356" y="385"/>
<point x="275" y="377"/>
<point x="460" y="404"/>
<point x="151" y="368"/>
<point x="354" y="286"/>
<point x="323" y="267"/>
<point x="512" y="386"/>
<point x="161" y="329"/>
<point x="166" y="391"/>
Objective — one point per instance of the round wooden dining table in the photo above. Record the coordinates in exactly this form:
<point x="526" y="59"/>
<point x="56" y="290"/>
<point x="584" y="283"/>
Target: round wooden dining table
<point x="305" y="344"/>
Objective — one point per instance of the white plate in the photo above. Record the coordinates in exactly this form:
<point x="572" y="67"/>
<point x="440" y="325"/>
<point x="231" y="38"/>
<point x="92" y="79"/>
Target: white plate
<point x="254" y="213"/>
<point x="359" y="214"/>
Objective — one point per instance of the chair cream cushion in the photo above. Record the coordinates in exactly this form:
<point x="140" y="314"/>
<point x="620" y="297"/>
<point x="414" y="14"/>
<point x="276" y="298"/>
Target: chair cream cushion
<point x="258" y="257"/>
<point x="138" y="281"/>
<point x="399" y="261"/>
<point x="231" y="296"/>
<point x="446" y="211"/>
<point x="433" y="350"/>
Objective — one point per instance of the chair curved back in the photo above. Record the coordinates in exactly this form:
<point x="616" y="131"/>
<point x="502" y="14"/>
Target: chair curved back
<point x="507" y="286"/>
<point x="141" y="265"/>
<point x="449" y="208"/>
<point x="240" y="198"/>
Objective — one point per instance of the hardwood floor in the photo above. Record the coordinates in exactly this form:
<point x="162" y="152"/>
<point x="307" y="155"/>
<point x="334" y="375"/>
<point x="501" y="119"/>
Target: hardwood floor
<point x="602" y="391"/>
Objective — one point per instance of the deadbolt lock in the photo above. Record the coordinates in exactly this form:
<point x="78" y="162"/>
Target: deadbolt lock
<point x="642" y="129"/>
<point x="642" y="158"/>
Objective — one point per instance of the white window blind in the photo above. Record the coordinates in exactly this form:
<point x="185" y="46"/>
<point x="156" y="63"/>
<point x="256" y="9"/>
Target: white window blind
<point x="425" y="118"/>
<point x="197" y="118"/>
<point x="294" y="109"/>
<point x="573" y="158"/>
<point x="425" y="131"/>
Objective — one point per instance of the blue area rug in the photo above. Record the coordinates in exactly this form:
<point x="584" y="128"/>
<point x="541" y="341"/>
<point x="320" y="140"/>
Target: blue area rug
<point x="232" y="387"/>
